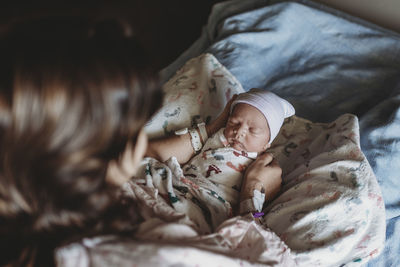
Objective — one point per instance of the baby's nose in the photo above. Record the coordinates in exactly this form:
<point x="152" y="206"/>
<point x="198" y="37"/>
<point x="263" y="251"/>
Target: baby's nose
<point x="240" y="132"/>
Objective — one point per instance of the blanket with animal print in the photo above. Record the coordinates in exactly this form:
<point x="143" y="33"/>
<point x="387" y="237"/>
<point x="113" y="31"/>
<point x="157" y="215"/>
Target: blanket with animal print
<point x="330" y="210"/>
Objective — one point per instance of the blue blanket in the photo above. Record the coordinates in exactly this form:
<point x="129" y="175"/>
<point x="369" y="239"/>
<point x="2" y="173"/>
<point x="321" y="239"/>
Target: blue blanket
<point x="325" y="63"/>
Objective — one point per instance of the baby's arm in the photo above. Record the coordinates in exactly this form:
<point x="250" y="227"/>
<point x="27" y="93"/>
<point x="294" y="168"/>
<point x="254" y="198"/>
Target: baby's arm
<point x="178" y="146"/>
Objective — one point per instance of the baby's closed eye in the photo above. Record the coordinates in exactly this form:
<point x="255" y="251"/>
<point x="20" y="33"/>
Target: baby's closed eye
<point x="255" y="130"/>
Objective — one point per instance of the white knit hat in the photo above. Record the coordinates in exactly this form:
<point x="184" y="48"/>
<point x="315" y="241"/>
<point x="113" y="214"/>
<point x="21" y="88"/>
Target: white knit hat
<point x="274" y="108"/>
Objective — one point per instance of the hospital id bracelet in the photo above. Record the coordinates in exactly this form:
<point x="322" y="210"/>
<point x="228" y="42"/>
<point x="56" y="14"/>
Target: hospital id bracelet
<point x="258" y="214"/>
<point x="181" y="131"/>
<point x="203" y="132"/>
<point x="195" y="139"/>
<point x="254" y="204"/>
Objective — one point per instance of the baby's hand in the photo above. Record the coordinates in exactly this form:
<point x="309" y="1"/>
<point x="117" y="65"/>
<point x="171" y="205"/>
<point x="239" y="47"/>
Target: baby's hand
<point x="264" y="174"/>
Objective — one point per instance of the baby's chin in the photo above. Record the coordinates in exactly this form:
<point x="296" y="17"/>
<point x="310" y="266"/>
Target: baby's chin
<point x="237" y="146"/>
<point x="240" y="147"/>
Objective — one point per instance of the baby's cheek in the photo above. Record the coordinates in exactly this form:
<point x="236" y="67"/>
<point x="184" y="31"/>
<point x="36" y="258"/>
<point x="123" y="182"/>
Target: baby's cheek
<point x="255" y="144"/>
<point x="227" y="133"/>
<point x="250" y="145"/>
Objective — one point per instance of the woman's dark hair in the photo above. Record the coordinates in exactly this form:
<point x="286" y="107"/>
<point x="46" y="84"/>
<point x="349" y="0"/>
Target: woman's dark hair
<point x="72" y="94"/>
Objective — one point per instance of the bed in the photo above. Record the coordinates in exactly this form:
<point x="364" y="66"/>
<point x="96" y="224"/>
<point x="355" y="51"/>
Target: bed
<point x="329" y="65"/>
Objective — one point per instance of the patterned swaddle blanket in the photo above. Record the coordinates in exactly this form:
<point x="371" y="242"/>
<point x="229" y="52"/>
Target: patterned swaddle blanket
<point x="330" y="211"/>
<point x="207" y="187"/>
<point x="224" y="166"/>
<point x="330" y="202"/>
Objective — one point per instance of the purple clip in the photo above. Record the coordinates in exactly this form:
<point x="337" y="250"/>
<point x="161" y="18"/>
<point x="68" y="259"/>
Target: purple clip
<point x="258" y="214"/>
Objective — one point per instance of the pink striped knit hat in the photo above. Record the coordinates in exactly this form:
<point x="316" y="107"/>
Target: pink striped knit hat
<point x="274" y="108"/>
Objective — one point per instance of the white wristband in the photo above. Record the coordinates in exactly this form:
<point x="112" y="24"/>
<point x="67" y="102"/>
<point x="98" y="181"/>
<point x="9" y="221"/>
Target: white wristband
<point x="195" y="139"/>
<point x="258" y="199"/>
<point x="252" y="204"/>
<point x="203" y="131"/>
<point x="181" y="131"/>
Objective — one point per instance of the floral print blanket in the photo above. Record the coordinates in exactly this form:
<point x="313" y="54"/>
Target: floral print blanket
<point x="330" y="211"/>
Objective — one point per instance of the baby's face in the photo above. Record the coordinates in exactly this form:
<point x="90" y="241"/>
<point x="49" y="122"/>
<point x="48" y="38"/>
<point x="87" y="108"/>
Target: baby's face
<point x="247" y="129"/>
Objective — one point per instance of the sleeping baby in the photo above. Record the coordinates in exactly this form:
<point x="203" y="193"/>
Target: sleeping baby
<point x="254" y="121"/>
<point x="246" y="128"/>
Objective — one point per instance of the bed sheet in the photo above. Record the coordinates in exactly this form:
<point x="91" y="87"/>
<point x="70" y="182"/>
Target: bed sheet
<point x="325" y="63"/>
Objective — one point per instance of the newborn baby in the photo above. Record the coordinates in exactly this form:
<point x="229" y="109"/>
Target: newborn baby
<point x="254" y="121"/>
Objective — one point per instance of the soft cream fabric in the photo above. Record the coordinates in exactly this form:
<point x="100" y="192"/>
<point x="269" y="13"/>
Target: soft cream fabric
<point x="330" y="211"/>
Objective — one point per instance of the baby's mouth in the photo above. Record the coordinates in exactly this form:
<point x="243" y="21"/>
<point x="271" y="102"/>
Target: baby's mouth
<point x="236" y="144"/>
